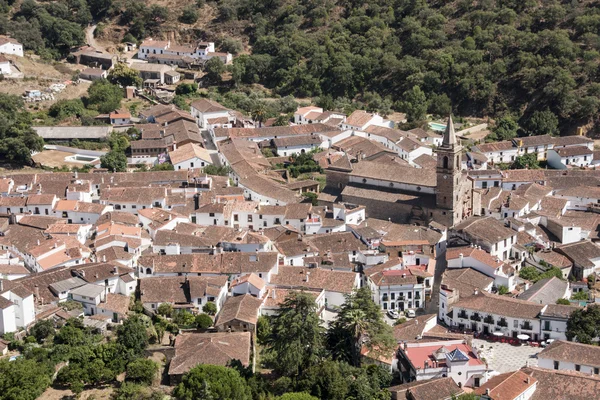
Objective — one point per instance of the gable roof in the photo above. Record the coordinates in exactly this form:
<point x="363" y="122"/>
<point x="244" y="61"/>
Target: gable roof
<point x="243" y="308"/>
<point x="192" y="349"/>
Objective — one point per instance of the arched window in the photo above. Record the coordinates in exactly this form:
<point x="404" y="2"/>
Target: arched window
<point x="445" y="162"/>
<point x="148" y="271"/>
<point x="457" y="162"/>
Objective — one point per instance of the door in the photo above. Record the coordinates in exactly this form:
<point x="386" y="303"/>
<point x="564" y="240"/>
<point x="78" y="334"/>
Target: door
<point x="486" y="330"/>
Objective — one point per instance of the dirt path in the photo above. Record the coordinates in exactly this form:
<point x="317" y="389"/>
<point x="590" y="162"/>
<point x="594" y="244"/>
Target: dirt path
<point x="90" y="39"/>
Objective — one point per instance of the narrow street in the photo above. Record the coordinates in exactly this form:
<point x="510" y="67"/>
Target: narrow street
<point x="440" y="267"/>
<point x="90" y="39"/>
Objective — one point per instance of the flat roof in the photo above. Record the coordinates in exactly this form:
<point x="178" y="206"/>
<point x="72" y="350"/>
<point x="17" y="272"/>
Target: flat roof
<point x="73" y="132"/>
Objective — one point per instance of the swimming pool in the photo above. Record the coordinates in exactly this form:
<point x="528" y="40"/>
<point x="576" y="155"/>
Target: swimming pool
<point x="80" y="158"/>
<point x="437" y="127"/>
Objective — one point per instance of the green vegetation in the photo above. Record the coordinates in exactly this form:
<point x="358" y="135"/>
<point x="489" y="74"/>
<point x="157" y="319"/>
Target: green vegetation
<point x="503" y="290"/>
<point x="104" y="96"/>
<point x="526" y="161"/>
<point x="124" y="76"/>
<point x="583" y="325"/>
<point x="532" y="274"/>
<point x="214" y="170"/>
<point x="142" y="370"/>
<point x="564" y="302"/>
<point x="580" y="296"/>
<point x="212" y="382"/>
<point x="210" y="308"/>
<point x="303" y="163"/>
<point x="17" y="139"/>
<point x="488" y="58"/>
<point x="204" y="321"/>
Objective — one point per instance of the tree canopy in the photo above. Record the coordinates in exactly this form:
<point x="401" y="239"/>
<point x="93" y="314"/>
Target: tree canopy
<point x="583" y="325"/>
<point x="17" y="138"/>
<point x="212" y="382"/>
<point x="297" y="339"/>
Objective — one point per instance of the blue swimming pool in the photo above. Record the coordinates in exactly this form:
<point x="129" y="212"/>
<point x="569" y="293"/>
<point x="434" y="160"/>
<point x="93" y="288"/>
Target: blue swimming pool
<point x="437" y="127"/>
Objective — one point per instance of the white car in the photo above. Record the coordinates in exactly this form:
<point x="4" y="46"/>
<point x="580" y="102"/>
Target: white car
<point x="393" y="314"/>
<point x="410" y="313"/>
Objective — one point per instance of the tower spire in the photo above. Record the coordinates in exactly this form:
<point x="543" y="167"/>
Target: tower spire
<point x="449" y="134"/>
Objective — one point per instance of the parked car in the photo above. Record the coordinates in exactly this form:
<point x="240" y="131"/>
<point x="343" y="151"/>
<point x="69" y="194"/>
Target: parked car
<point x="410" y="313"/>
<point x="393" y="314"/>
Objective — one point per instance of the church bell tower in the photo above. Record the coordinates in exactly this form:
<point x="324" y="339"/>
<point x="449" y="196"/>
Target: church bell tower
<point x="449" y="176"/>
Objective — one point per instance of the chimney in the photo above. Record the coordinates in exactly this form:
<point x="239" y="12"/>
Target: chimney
<point x="38" y="242"/>
<point x="274" y="293"/>
<point x="528" y="380"/>
<point x="37" y="292"/>
<point x="487" y="391"/>
<point x="115" y="270"/>
<point x="104" y="258"/>
<point x="476" y="291"/>
<point x="307" y="275"/>
<point x="75" y="174"/>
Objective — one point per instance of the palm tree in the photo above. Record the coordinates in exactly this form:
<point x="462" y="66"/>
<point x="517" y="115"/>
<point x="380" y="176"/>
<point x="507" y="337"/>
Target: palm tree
<point x="259" y="113"/>
<point x="355" y="323"/>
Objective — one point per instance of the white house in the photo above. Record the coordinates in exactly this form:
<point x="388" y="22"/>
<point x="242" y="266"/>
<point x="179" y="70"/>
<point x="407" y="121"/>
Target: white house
<point x="120" y="118"/>
<point x="190" y="156"/>
<point x="579" y="156"/>
<point x="10" y="46"/>
<point x="452" y="358"/>
<point x="209" y="113"/>
<point x="249" y="284"/>
<point x="482" y="261"/>
<point x="5" y="68"/>
<point x="288" y="146"/>
<point x="150" y="47"/>
<point x="89" y="296"/>
<point x="488" y="233"/>
<point x="570" y="356"/>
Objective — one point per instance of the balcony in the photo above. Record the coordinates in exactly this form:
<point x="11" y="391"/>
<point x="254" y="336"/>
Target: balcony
<point x="475" y="317"/>
<point x="488" y="319"/>
<point x="503" y="323"/>
<point x="547" y="328"/>
<point x="463" y="315"/>
<point x="526" y="327"/>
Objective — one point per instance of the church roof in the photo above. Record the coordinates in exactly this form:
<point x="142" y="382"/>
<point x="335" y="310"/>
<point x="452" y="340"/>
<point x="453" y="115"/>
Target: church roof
<point x="449" y="134"/>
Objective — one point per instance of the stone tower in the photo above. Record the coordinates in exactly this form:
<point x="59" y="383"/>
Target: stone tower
<point x="449" y="177"/>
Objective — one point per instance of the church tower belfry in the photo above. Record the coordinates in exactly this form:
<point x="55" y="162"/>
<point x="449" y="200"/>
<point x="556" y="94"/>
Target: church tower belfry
<point x="449" y="176"/>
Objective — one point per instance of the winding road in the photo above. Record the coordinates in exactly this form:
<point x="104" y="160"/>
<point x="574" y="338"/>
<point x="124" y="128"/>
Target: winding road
<point x="90" y="39"/>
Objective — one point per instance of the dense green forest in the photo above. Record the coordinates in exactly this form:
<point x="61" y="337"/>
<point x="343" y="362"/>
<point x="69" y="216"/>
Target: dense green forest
<point x="486" y="58"/>
<point x="483" y="58"/>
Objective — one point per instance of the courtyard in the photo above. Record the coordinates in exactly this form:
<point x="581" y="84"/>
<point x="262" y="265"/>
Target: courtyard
<point x="504" y="357"/>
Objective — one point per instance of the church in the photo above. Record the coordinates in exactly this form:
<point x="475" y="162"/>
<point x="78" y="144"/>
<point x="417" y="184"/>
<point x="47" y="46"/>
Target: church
<point x="391" y="189"/>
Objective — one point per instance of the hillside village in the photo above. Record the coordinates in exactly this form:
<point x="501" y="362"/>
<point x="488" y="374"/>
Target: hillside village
<point x="477" y="270"/>
<point x="169" y="230"/>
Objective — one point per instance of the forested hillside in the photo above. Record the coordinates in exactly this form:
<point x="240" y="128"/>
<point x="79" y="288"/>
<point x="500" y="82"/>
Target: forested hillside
<point x="485" y="58"/>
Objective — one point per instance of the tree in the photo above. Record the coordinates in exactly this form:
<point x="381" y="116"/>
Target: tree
<point x="542" y="123"/>
<point x="564" y="302"/>
<point x="297" y="396"/>
<point x="210" y="307"/>
<point x="184" y="318"/>
<point x="186" y="88"/>
<point x="166" y="166"/>
<point x="502" y="290"/>
<point x="359" y="323"/>
<point x="42" y="329"/>
<point x="440" y="105"/>
<point x="204" y="321"/>
<point x="132" y="335"/>
<point x="282" y="120"/>
<point x="66" y="108"/>
<point x="583" y="325"/>
<point x="263" y="329"/>
<point x="189" y="15"/>
<point x="114" y="161"/>
<point x="580" y="296"/>
<point x="214" y="68"/>
<point x="296" y="340"/>
<point x="17" y="138"/>
<point x="122" y="75"/>
<point x="414" y="104"/>
<point x="231" y="45"/>
<point x="142" y="370"/>
<point x="505" y="128"/>
<point x="24" y="379"/>
<point x="212" y="381"/>
<point x="104" y="96"/>
<point x="529" y="161"/>
<point x="259" y="113"/>
<point x="165" y="309"/>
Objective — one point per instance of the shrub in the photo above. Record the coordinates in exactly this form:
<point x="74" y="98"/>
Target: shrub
<point x="204" y="321"/>
<point x="210" y="308"/>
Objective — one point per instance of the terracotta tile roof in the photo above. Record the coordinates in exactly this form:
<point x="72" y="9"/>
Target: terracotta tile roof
<point x="300" y="140"/>
<point x="509" y="385"/>
<point x="571" y="141"/>
<point x="225" y="263"/>
<point x="243" y="308"/>
<point x="545" y="291"/>
<point x="475" y="253"/>
<point x="41" y="221"/>
<point x="495" y="146"/>
<point x="432" y="389"/>
<point x="192" y="349"/>
<point x="563" y="385"/>
<point x="395" y="173"/>
<point x="208" y="106"/>
<point x="252" y="279"/>
<point x="554" y="259"/>
<point x="500" y="305"/>
<point x="179" y="290"/>
<point x="116" y="303"/>
<point x="574" y="151"/>
<point x="318" y="278"/>
<point x="359" y="118"/>
<point x="274" y="131"/>
<point x="466" y="280"/>
<point x="580" y="253"/>
<point x="487" y="229"/>
<point x="572" y="352"/>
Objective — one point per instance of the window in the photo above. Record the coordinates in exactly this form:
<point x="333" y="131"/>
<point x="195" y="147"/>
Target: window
<point x="577" y="367"/>
<point x="516" y="323"/>
<point x="596" y="371"/>
<point x="556" y="364"/>
<point x="249" y="218"/>
<point x="211" y="214"/>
